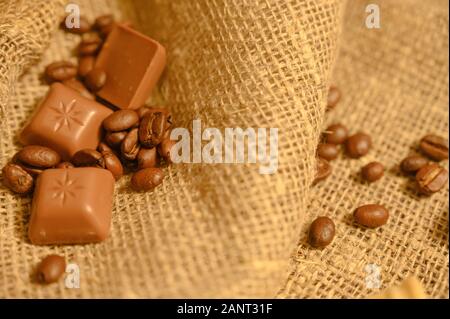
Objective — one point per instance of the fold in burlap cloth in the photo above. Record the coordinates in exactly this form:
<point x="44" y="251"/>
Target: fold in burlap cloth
<point x="226" y="230"/>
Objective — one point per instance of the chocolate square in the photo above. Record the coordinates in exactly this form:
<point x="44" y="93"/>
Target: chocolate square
<point x="71" y="206"/>
<point x="133" y="64"/>
<point x="66" y="122"/>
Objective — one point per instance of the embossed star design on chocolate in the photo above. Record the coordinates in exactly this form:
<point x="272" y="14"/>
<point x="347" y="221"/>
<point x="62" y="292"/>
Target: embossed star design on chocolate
<point x="65" y="188"/>
<point x="67" y="115"/>
<point x="66" y="122"/>
<point x="71" y="206"/>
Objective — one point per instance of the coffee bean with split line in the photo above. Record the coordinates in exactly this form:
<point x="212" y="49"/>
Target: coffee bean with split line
<point x="130" y="145"/>
<point x="60" y="71"/>
<point x="434" y="146"/>
<point x="431" y="178"/>
<point x="17" y="179"/>
<point x="38" y="156"/>
<point x="334" y="95"/>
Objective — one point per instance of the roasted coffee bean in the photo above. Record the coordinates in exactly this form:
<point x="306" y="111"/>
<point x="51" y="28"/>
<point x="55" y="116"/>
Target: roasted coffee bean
<point x="121" y="120"/>
<point x="434" y="147"/>
<point x="323" y="170"/>
<point x="413" y="163"/>
<point x="103" y="21"/>
<point x="33" y="171"/>
<point x="114" y="139"/>
<point x="88" y="157"/>
<point x="371" y="216"/>
<point x="60" y="71"/>
<point x="68" y="25"/>
<point x="153" y="127"/>
<point x="89" y="49"/>
<point x="145" y="110"/>
<point x="336" y="134"/>
<point x="51" y="269"/>
<point x="334" y="95"/>
<point x="113" y="164"/>
<point x="327" y="151"/>
<point x="38" y="156"/>
<point x="358" y="145"/>
<point x="103" y="147"/>
<point x="85" y="65"/>
<point x="147" y="157"/>
<point x="17" y="179"/>
<point x="431" y="178"/>
<point x="65" y="165"/>
<point x="130" y="146"/>
<point x="95" y="79"/>
<point x="147" y="179"/>
<point x="165" y="148"/>
<point x="79" y="87"/>
<point x="372" y="171"/>
<point x="321" y="232"/>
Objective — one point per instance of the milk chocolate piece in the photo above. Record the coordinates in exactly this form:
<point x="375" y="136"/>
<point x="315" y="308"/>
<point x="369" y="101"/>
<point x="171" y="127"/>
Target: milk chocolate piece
<point x="71" y="206"/>
<point x="66" y="122"/>
<point x="133" y="64"/>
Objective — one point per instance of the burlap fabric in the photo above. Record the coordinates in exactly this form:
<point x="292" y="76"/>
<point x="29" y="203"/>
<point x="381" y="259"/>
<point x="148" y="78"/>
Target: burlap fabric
<point x="226" y="230"/>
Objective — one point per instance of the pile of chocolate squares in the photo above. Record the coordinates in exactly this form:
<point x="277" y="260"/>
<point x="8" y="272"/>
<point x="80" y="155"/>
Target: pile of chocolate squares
<point x="91" y="127"/>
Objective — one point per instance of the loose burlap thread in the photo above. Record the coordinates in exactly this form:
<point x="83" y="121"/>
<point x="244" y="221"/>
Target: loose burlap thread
<point x="225" y="230"/>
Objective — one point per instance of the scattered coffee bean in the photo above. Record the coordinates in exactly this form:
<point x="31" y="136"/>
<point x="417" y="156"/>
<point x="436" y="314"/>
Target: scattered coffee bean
<point x="90" y="44"/>
<point x="371" y="215"/>
<point x="323" y="170"/>
<point x="38" y="156"/>
<point x="434" y="147"/>
<point x="321" y="232"/>
<point x="147" y="157"/>
<point x="65" y="165"/>
<point x="145" y="110"/>
<point x="358" y="145"/>
<point x="113" y="164"/>
<point x="130" y="146"/>
<point x="85" y="65"/>
<point x="88" y="157"/>
<point x="79" y="87"/>
<point x="95" y="79"/>
<point x="334" y="95"/>
<point x="165" y="148"/>
<point x="103" y="21"/>
<point x="336" y="134"/>
<point x="114" y="139"/>
<point x="431" y="178"/>
<point x="153" y="127"/>
<point x="60" y="71"/>
<point x="103" y="147"/>
<point x="17" y="179"/>
<point x="146" y="179"/>
<point x="121" y="120"/>
<point x="413" y="163"/>
<point x="327" y="151"/>
<point x="68" y="25"/>
<point x="51" y="269"/>
<point x="372" y="171"/>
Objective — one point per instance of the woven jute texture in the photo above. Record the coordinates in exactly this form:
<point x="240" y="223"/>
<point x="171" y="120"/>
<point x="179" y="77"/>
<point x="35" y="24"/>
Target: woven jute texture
<point x="225" y="230"/>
